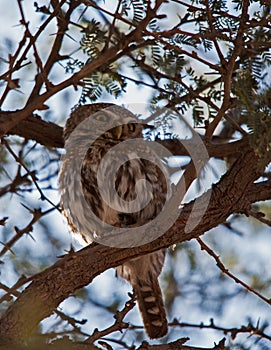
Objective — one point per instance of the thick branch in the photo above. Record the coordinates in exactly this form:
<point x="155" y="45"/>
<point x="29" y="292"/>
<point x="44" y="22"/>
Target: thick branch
<point x="260" y="191"/>
<point x="51" y="135"/>
<point x="45" y="133"/>
<point x="76" y="270"/>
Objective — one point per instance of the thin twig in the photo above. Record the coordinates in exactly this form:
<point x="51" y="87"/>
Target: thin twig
<point x="30" y="173"/>
<point x="228" y="273"/>
<point x="119" y="325"/>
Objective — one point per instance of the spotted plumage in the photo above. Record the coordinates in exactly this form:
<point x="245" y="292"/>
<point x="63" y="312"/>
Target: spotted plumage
<point x="130" y="181"/>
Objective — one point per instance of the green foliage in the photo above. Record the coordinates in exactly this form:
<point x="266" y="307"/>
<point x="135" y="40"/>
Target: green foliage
<point x="253" y="100"/>
<point x="180" y="39"/>
<point x="96" y="83"/>
<point x="73" y="65"/>
<point x="134" y="9"/>
<point x="93" y="39"/>
<point x="92" y="44"/>
<point x="198" y="114"/>
<point x="106" y="79"/>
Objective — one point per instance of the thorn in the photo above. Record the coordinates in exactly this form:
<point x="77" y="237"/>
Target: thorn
<point x="3" y="221"/>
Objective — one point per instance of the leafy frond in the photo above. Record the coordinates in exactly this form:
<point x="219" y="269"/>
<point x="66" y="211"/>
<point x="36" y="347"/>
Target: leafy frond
<point x="153" y="25"/>
<point x="162" y="119"/>
<point x="107" y="79"/>
<point x="198" y="114"/>
<point x="180" y="39"/>
<point x="254" y="104"/>
<point x="156" y="55"/>
<point x="207" y="44"/>
<point x="172" y="63"/>
<point x="92" y="89"/>
<point x="93" y="39"/>
<point x="139" y="7"/>
<point x="96" y="83"/>
<point x="73" y="65"/>
<point x="135" y="10"/>
<point x="172" y="92"/>
<point x="216" y="5"/>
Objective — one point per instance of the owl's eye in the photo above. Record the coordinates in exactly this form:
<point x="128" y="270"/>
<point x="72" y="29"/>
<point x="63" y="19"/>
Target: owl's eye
<point x="131" y="127"/>
<point x="101" y="117"/>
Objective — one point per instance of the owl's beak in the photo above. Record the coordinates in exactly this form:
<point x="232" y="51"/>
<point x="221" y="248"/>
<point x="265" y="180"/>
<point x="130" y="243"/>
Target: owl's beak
<point x="117" y="131"/>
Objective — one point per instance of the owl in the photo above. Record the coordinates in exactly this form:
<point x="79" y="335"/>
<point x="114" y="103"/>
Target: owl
<point x="133" y="177"/>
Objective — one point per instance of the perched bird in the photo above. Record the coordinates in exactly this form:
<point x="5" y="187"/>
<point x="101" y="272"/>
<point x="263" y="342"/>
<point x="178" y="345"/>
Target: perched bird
<point x="134" y="178"/>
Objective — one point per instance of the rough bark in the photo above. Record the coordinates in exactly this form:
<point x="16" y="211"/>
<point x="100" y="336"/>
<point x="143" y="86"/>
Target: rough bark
<point x="45" y="133"/>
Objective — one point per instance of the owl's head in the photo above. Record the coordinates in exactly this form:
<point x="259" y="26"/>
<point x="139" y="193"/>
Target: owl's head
<point x="111" y="121"/>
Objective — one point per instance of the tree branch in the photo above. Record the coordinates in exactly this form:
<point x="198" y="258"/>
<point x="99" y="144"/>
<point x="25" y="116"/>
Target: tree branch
<point x="76" y="270"/>
<point x="51" y="135"/>
<point x="45" y="133"/>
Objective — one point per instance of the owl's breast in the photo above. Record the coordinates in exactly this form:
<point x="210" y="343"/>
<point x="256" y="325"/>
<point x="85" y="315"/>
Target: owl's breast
<point x="123" y="189"/>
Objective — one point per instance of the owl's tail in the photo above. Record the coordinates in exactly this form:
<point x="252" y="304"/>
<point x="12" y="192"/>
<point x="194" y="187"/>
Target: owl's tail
<point x="151" y="306"/>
